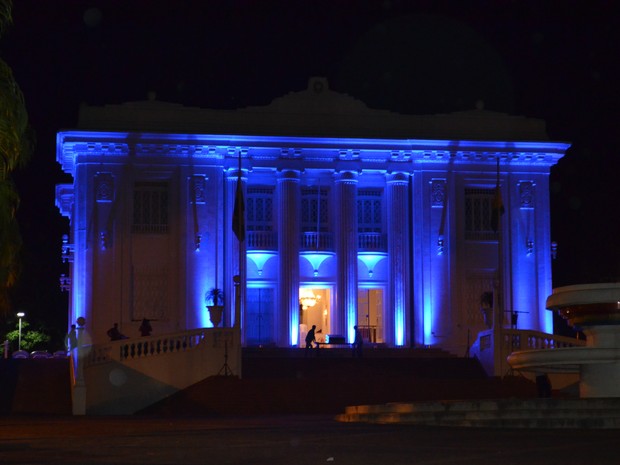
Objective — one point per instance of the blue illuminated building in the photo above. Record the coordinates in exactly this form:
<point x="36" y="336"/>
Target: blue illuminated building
<point x="353" y="216"/>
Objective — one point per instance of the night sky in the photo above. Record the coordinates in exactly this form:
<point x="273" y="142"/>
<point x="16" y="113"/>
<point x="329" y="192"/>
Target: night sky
<point x="558" y="61"/>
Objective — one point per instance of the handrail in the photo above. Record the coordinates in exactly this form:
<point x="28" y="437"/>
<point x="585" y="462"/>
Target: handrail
<point x="371" y="242"/>
<point x="262" y="240"/>
<point x="151" y="346"/>
<point x="525" y="339"/>
<point x="311" y="240"/>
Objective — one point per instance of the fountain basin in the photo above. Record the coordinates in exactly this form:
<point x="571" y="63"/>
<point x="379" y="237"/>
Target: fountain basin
<point x="595" y="310"/>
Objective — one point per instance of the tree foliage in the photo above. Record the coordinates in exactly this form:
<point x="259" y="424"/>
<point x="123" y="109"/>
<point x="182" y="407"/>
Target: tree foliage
<point x="31" y="339"/>
<point x="16" y="145"/>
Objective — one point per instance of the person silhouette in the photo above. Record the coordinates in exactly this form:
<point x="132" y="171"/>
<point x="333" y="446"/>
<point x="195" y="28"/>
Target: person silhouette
<point x="358" y="342"/>
<point x="145" y="328"/>
<point x="310" y="338"/>
<point x="114" y="334"/>
<point x="71" y="339"/>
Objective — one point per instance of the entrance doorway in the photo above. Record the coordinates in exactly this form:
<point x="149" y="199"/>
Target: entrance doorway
<point x="314" y="307"/>
<point x="370" y="314"/>
<point x="259" y="316"/>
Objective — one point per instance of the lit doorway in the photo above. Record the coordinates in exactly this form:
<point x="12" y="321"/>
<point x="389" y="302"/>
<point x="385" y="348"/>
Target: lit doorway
<point x="370" y="314"/>
<point x="314" y="306"/>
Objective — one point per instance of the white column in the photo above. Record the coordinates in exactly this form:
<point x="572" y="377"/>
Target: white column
<point x="346" y="252"/>
<point x="397" y="309"/>
<point x="289" y="206"/>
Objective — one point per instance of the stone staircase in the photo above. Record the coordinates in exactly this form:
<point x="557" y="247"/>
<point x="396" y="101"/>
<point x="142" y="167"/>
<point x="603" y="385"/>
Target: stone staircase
<point x="285" y="381"/>
<point x="592" y="413"/>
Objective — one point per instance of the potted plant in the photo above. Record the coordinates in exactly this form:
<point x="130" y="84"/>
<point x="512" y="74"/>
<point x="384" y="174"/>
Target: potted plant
<point x="216" y="309"/>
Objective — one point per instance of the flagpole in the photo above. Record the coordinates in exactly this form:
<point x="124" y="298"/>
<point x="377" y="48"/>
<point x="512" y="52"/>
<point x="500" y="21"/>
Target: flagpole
<point x="238" y="227"/>
<point x="498" y="210"/>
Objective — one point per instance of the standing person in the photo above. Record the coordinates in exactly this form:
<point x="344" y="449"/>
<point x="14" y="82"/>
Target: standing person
<point x="145" y="328"/>
<point x="310" y="338"/>
<point x="358" y="342"/>
<point x="71" y="339"/>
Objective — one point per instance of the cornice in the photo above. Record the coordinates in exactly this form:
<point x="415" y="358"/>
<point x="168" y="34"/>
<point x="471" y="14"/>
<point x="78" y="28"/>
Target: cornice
<point x="76" y="146"/>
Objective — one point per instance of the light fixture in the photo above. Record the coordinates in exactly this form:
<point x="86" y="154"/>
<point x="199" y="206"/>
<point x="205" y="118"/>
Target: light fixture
<point x="67" y="250"/>
<point x="103" y="240"/>
<point x="65" y="283"/>
<point x="307" y="298"/>
<point x="20" y="315"/>
<point x="554" y="250"/>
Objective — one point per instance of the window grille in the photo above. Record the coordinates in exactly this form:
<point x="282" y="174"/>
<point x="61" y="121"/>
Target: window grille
<point x="314" y="210"/>
<point x="150" y="208"/>
<point x="478" y="213"/>
<point x="369" y="218"/>
<point x="259" y="209"/>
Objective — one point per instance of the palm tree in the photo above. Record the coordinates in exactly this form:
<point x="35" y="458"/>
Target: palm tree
<point x="16" y="143"/>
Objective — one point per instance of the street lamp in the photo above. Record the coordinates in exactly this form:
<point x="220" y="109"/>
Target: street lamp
<point x="20" y="315"/>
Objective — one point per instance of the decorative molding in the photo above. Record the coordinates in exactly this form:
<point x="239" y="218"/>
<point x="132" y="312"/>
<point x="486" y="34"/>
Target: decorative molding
<point x="348" y="154"/>
<point x="438" y="192"/>
<point x="526" y="194"/>
<point x="346" y="176"/>
<point x="96" y="148"/>
<point x="104" y="187"/>
<point x="398" y="177"/>
<point x="64" y="199"/>
<point x="400" y="155"/>
<point x="197" y="189"/>
<point x="292" y="152"/>
<point x="176" y="150"/>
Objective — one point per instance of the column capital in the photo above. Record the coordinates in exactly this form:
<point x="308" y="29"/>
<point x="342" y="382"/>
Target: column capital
<point x="397" y="177"/>
<point x="234" y="173"/>
<point x="346" y="176"/>
<point x="289" y="175"/>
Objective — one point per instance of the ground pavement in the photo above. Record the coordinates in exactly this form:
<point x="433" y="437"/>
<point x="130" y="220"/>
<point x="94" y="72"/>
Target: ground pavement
<point x="275" y="440"/>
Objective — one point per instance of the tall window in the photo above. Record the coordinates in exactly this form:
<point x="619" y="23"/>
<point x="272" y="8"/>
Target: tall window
<point x="150" y="208"/>
<point x="369" y="210"/>
<point x="478" y="212"/>
<point x="259" y="209"/>
<point x="314" y="210"/>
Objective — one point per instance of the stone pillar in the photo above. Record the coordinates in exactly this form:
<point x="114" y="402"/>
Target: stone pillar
<point x="397" y="305"/>
<point x="289" y="206"/>
<point x="346" y="253"/>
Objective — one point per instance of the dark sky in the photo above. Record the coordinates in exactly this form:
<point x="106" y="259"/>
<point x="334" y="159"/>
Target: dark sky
<point x="552" y="60"/>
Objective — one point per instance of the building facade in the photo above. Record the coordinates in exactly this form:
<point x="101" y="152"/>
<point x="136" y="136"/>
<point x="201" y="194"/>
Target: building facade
<point x="352" y="217"/>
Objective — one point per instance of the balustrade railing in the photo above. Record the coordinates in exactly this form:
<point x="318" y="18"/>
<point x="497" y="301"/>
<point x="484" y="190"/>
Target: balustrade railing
<point x="371" y="242"/>
<point x="262" y="240"/>
<point x="130" y="349"/>
<point x="317" y="241"/>
<point x="491" y="352"/>
<point x="518" y="339"/>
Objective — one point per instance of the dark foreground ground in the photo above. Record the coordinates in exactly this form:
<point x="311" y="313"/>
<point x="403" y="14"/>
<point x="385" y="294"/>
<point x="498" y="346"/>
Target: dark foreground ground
<point x="275" y="440"/>
<point x="282" y="412"/>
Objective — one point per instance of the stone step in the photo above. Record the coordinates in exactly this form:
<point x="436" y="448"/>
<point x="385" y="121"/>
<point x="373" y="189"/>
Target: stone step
<point x="500" y="413"/>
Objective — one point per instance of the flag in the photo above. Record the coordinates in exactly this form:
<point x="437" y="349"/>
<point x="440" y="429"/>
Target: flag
<point x="238" y="220"/>
<point x="498" y="204"/>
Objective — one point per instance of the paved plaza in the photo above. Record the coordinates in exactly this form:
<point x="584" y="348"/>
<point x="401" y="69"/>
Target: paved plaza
<point x="275" y="440"/>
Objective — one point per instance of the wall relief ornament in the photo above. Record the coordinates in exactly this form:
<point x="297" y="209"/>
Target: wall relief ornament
<point x="526" y="194"/>
<point x="104" y="187"/>
<point x="438" y="192"/>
